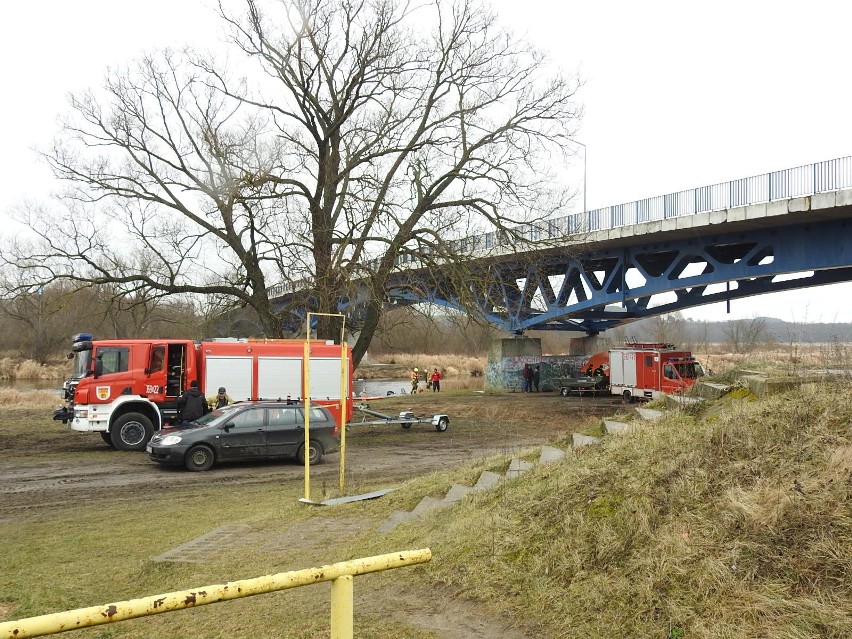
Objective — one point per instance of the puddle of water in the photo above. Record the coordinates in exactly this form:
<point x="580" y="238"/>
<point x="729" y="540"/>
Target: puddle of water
<point x="380" y="387"/>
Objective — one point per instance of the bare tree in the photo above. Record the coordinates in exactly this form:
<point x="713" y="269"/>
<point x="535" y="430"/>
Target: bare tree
<point x="379" y="132"/>
<point x="36" y="321"/>
<point x="430" y="330"/>
<point x="670" y="328"/>
<point x="743" y="335"/>
<point x="698" y="336"/>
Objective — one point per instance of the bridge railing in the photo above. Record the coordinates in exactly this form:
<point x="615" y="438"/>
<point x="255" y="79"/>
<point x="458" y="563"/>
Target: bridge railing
<point x="808" y="179"/>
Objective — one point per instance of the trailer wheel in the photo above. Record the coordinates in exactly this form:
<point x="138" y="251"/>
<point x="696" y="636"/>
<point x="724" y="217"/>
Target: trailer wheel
<point x="406" y="425"/>
<point x="564" y="391"/>
<point x="107" y="438"/>
<point x="315" y="452"/>
<point x="199" y="458"/>
<point x="628" y="397"/>
<point x="442" y="424"/>
<point x="131" y="432"/>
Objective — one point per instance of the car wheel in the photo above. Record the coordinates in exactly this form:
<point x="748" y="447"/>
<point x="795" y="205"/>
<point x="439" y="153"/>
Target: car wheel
<point x="315" y="452"/>
<point x="107" y="438"/>
<point x="442" y="424"/>
<point x="131" y="432"/>
<point x="199" y="458"/>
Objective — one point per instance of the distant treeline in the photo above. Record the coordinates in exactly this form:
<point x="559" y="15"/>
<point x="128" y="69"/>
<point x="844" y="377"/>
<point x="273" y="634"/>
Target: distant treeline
<point x="738" y="336"/>
<point x="770" y="330"/>
<point x="38" y="326"/>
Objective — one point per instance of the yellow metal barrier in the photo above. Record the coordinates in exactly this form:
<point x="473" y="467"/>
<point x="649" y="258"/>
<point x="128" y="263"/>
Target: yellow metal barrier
<point x="340" y="575"/>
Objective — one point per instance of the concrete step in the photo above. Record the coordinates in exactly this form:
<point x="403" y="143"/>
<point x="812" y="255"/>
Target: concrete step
<point x="549" y="454"/>
<point x="426" y="504"/>
<point x="711" y="390"/>
<point x="518" y="467"/>
<point x="584" y="440"/>
<point x="457" y="492"/>
<point x="649" y="413"/>
<point x="486" y="480"/>
<point x="613" y="427"/>
<point x="393" y="520"/>
<point x="679" y="402"/>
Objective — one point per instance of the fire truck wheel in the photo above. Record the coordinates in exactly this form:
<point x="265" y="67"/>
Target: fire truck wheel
<point x="131" y="432"/>
<point x="199" y="458"/>
<point x="627" y="397"/>
<point x="315" y="452"/>
<point x="442" y="424"/>
<point x="107" y="438"/>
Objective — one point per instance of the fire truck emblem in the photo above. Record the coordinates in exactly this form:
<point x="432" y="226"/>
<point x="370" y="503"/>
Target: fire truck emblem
<point x="102" y="392"/>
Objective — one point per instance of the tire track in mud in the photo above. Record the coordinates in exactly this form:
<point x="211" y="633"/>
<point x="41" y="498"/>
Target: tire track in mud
<point x="87" y="471"/>
<point x="30" y="488"/>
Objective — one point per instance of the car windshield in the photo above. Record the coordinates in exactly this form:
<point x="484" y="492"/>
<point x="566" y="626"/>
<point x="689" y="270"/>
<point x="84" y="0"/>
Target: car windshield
<point x="82" y="364"/>
<point x="690" y="370"/>
<point x="217" y="415"/>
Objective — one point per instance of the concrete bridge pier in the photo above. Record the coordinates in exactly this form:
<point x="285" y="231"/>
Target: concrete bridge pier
<point x="589" y="345"/>
<point x="506" y="358"/>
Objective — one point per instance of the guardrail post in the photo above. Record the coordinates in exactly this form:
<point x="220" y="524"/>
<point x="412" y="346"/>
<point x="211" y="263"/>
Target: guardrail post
<point x="342" y="590"/>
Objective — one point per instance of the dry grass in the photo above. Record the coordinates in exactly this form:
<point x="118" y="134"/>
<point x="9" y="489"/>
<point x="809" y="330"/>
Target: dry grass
<point x="16" y="368"/>
<point x="778" y="358"/>
<point x="13" y="398"/>
<point x="452" y="366"/>
<point x="737" y="527"/>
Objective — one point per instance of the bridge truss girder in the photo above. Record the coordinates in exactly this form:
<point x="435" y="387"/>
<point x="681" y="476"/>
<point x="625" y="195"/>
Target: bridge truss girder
<point x="607" y="287"/>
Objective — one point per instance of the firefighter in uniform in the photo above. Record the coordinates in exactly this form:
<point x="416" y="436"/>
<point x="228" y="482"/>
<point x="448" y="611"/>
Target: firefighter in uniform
<point x="220" y="399"/>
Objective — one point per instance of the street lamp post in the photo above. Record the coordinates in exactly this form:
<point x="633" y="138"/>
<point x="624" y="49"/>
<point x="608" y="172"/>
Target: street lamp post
<point x="584" y="172"/>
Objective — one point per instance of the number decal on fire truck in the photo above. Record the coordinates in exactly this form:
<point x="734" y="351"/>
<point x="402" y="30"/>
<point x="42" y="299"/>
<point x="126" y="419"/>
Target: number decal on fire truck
<point x="153" y="390"/>
<point x="102" y="392"/>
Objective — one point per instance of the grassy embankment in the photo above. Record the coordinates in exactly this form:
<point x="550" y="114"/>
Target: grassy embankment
<point x="737" y="523"/>
<point x="732" y="521"/>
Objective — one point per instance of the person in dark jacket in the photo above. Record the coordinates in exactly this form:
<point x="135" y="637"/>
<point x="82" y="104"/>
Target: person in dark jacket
<point x="526" y="374"/>
<point x="191" y="404"/>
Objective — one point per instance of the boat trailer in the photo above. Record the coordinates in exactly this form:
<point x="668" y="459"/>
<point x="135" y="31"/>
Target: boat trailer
<point x="406" y="418"/>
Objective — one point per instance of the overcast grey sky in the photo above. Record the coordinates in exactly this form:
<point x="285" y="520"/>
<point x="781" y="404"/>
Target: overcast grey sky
<point x="676" y="95"/>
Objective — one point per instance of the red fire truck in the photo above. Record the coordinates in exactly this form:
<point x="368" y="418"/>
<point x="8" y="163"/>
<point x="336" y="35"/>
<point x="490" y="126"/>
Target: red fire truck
<point x="125" y="389"/>
<point x="643" y="370"/>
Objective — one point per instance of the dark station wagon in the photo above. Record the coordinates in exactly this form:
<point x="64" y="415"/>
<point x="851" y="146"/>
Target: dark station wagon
<point x="250" y="430"/>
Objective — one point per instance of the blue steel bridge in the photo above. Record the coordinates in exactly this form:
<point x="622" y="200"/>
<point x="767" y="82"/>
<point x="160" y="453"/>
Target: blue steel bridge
<point x="606" y="267"/>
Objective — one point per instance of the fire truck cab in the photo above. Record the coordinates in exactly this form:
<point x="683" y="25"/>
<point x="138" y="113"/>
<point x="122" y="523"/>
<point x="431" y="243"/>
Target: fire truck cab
<point x="126" y="389"/>
<point x="643" y="370"/>
<point x="646" y="370"/>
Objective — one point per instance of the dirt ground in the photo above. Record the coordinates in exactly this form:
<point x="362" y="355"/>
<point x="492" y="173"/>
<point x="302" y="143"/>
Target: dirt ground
<point x="52" y="467"/>
<point x="41" y="472"/>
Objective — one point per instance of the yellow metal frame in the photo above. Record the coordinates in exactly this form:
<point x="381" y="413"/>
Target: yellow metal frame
<point x="344" y="396"/>
<point x="341" y="575"/>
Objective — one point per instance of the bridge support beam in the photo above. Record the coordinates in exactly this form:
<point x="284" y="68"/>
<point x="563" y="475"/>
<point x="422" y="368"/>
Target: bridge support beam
<point x="506" y="358"/>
